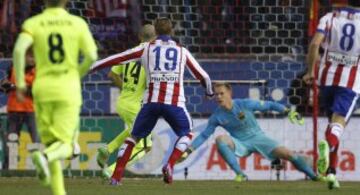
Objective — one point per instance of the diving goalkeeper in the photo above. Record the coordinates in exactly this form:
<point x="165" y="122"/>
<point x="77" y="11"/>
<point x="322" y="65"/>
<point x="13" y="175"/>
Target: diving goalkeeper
<point x="237" y="118"/>
<point x="131" y="79"/>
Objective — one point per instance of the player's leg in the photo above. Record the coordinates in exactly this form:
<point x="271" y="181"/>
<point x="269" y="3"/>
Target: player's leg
<point x="30" y="123"/>
<point x="65" y="124"/>
<point x="118" y="140"/>
<point x="272" y="150"/>
<point x="64" y="128"/>
<point x="43" y="121"/>
<point x="328" y="149"/>
<point x="13" y="127"/>
<point x="226" y="148"/>
<point x="57" y="178"/>
<point x="104" y="152"/>
<point x="14" y="123"/>
<point x="297" y="160"/>
<point x="140" y="149"/>
<point x="143" y="145"/>
<point x="326" y="100"/>
<point x="180" y="121"/>
<point x="128" y="117"/>
<point x="343" y="105"/>
<point x="144" y="123"/>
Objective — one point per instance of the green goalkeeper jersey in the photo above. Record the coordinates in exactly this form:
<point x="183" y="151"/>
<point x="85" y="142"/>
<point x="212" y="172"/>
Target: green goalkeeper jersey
<point x="133" y="87"/>
<point x="59" y="40"/>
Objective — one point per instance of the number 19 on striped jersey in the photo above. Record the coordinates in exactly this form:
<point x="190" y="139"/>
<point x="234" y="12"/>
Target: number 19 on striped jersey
<point x="171" y="57"/>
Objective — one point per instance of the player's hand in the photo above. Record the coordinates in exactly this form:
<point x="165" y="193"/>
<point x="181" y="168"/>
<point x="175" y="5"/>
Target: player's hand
<point x="20" y="94"/>
<point x="295" y="118"/>
<point x="209" y="96"/>
<point x="308" y="78"/>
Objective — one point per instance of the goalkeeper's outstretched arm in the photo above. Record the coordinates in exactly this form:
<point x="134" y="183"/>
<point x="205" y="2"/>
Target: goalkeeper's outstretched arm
<point x="263" y="106"/>
<point x="204" y="135"/>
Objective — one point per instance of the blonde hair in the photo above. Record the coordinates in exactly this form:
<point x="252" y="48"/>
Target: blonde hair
<point x="147" y="33"/>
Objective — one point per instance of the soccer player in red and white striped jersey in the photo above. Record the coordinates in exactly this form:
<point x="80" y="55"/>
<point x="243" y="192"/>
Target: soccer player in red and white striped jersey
<point x="164" y="61"/>
<point x="339" y="77"/>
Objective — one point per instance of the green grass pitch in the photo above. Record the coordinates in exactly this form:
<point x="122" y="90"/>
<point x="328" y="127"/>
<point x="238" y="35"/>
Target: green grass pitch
<point x="94" y="186"/>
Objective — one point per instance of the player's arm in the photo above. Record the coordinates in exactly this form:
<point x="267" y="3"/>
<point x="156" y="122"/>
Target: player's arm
<point x="313" y="56"/>
<point x="264" y="106"/>
<point x="88" y="49"/>
<point x="198" y="73"/>
<point x="127" y="56"/>
<point x="23" y="43"/>
<point x="204" y="135"/>
<point x="313" y="50"/>
<point x="115" y="77"/>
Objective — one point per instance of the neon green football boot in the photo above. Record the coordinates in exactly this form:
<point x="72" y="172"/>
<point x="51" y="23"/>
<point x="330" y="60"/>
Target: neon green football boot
<point x="107" y="172"/>
<point x="42" y="168"/>
<point x="240" y="178"/>
<point x="102" y="157"/>
<point x="333" y="183"/>
<point x="323" y="161"/>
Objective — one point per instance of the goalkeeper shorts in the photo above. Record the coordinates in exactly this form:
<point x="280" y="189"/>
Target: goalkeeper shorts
<point x="259" y="143"/>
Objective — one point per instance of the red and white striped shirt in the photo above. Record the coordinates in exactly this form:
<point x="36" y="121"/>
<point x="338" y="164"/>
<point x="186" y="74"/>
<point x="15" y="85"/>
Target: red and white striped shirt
<point x="164" y="62"/>
<point x="339" y="65"/>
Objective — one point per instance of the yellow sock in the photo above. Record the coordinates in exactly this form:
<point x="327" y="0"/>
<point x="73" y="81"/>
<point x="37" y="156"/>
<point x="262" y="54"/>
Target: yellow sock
<point x="57" y="178"/>
<point x="118" y="140"/>
<point x="58" y="151"/>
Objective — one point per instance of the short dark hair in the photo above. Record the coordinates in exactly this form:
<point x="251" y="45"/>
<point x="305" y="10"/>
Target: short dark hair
<point x="355" y="3"/>
<point x="163" y="26"/>
<point x="223" y="84"/>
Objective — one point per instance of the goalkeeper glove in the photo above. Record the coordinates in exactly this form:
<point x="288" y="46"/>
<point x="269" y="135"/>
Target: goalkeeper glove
<point x="295" y="118"/>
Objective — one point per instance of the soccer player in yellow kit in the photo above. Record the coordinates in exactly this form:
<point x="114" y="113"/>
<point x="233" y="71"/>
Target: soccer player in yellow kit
<point x="131" y="79"/>
<point x="57" y="38"/>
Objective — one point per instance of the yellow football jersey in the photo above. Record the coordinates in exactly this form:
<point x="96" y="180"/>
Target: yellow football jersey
<point x="59" y="39"/>
<point x="134" y="84"/>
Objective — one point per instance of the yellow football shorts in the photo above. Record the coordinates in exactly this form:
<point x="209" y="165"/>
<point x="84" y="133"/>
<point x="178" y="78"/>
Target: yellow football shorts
<point x="58" y="120"/>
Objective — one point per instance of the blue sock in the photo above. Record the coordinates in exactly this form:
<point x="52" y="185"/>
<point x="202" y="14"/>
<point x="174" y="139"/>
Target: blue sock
<point x="300" y="164"/>
<point x="229" y="156"/>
